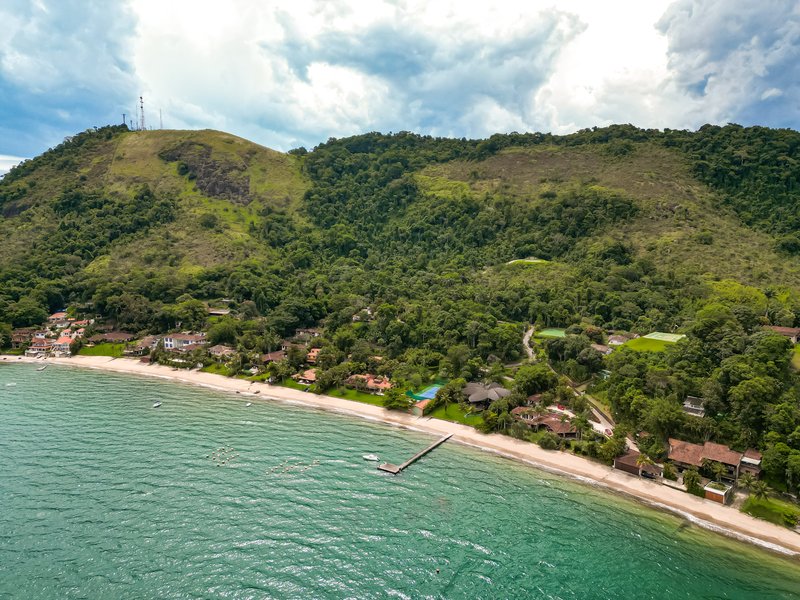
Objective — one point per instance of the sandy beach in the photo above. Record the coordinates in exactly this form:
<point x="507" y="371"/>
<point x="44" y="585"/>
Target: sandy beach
<point x="702" y="512"/>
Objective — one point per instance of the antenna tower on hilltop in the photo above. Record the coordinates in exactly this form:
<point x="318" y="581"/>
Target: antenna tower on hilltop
<point x="141" y="118"/>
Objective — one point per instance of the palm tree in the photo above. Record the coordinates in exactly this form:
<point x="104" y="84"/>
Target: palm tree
<point x="746" y="481"/>
<point x="643" y="460"/>
<point x="760" y="490"/>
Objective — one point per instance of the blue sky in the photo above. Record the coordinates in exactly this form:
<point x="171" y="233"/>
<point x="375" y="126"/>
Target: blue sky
<point x="286" y="74"/>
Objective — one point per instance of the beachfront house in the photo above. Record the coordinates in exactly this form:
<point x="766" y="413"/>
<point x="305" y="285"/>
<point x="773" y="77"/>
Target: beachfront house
<point x="685" y="455"/>
<point x="308" y="377"/>
<point x="21" y="337"/>
<point x="370" y="383"/>
<point x="273" y="357"/>
<point x="221" y="351"/>
<point x="551" y="421"/>
<point x="184" y="341"/>
<point x="39" y="346"/>
<point x="751" y="463"/>
<point x="61" y="346"/>
<point x="633" y="464"/>
<point x="481" y="395"/>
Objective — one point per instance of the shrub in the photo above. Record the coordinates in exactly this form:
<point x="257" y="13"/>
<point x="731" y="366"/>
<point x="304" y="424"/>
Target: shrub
<point x="549" y="441"/>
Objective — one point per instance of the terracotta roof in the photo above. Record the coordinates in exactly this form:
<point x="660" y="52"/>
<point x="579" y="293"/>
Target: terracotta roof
<point x="753" y="454"/>
<point x="685" y="452"/>
<point x="273" y="356"/>
<point x="64" y="339"/>
<point x="694" y="454"/>
<point x="721" y="453"/>
<point x="602" y="349"/>
<point x="309" y="375"/>
<point x="628" y="459"/>
<point x="221" y="350"/>
<point x="788" y="331"/>
<point x="423" y="403"/>
<point x="550" y="421"/>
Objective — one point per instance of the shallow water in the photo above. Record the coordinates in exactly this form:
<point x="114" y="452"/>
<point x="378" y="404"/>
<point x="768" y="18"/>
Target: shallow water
<point x="102" y="496"/>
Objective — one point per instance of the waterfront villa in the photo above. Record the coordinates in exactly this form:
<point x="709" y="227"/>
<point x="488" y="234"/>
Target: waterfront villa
<point x="307" y="377"/>
<point x="371" y="383"/>
<point x="686" y="454"/>
<point x="181" y="341"/>
<point x="61" y="346"/>
<point x="221" y="351"/>
<point x="482" y="394"/>
<point x="550" y="421"/>
<point x="631" y="463"/>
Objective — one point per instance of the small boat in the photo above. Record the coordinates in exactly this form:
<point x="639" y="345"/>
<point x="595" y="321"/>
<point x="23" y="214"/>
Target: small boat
<point x="371" y="457"/>
<point x="157" y="403"/>
<point x="42" y="368"/>
<point x="249" y="404"/>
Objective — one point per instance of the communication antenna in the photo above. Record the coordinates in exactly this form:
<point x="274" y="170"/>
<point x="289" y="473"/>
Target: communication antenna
<point x="123" y="119"/>
<point x="141" y="108"/>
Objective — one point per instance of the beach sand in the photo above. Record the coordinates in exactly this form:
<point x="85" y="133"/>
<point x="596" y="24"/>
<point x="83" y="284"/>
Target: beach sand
<point x="713" y="516"/>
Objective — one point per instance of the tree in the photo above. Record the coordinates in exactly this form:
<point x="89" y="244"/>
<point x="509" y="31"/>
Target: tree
<point x="691" y="479"/>
<point x="394" y="399"/>
<point x="533" y="379"/>
<point x="549" y="441"/>
<point x="793" y="470"/>
<point x="774" y="460"/>
<point x="5" y="335"/>
<point x="450" y="393"/>
<point x="223" y="332"/>
<point x="760" y="490"/>
<point x="746" y="481"/>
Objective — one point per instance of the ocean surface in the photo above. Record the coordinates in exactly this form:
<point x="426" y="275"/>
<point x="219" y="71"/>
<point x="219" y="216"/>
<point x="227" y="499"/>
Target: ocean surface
<point x="103" y="496"/>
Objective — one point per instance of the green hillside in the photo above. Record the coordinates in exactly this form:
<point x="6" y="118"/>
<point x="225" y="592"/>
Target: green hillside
<point x="454" y="246"/>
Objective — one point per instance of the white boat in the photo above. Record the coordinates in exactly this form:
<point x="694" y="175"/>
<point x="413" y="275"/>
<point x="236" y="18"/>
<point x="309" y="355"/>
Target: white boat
<point x="249" y="404"/>
<point x="157" y="403"/>
<point x="42" y="368"/>
<point x="371" y="457"/>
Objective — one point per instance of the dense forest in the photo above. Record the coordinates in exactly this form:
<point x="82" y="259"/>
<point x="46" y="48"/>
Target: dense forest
<point x="436" y="254"/>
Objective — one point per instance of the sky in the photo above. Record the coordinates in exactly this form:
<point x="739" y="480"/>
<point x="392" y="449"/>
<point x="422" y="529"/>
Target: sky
<point x="286" y="74"/>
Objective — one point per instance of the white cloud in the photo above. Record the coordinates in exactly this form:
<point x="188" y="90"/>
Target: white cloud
<point x="285" y="74"/>
<point x="6" y="162"/>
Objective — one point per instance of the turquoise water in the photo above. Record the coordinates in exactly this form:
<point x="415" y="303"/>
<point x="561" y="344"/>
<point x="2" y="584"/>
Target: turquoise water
<point x="102" y="496"/>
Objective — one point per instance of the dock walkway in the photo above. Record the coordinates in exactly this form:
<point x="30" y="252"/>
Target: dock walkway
<point x="395" y="469"/>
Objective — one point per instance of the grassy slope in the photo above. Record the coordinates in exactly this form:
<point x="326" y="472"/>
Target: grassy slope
<point x="121" y="165"/>
<point x="675" y="207"/>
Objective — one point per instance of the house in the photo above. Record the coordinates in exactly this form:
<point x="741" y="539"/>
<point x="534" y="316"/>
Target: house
<point x="481" y="394"/>
<point x="39" y="346"/>
<point x="616" y="340"/>
<point x="605" y="350"/>
<point x="272" y="357"/>
<point x="694" y="406"/>
<point x="369" y="382"/>
<point x="551" y="421"/>
<point x="630" y="463"/>
<point x="58" y="317"/>
<point x="308" y="377"/>
<point x="686" y="454"/>
<point x="311" y="357"/>
<point x="180" y="341"/>
<point x="221" y="351"/>
<point x="218" y="312"/>
<point x="142" y="347"/>
<point x="793" y="333"/>
<point x="418" y="410"/>
<point x="61" y="345"/>
<point x="751" y="463"/>
<point x="534" y="399"/>
<point x="20" y="337"/>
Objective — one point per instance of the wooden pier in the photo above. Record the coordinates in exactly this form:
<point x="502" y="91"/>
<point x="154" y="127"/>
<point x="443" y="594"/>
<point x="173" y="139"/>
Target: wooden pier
<point x="395" y="469"/>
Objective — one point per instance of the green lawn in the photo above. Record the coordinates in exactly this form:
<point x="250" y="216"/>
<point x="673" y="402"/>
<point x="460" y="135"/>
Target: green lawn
<point x="291" y="383"/>
<point x="456" y="415"/>
<point x="551" y="332"/>
<point x="772" y="510"/>
<point x="796" y="357"/>
<point x="647" y="345"/>
<point x="114" y="350"/>
<point x="217" y="369"/>
<point x="349" y="394"/>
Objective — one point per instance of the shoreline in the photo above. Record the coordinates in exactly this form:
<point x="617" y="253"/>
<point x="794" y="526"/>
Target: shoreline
<point x="706" y="514"/>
